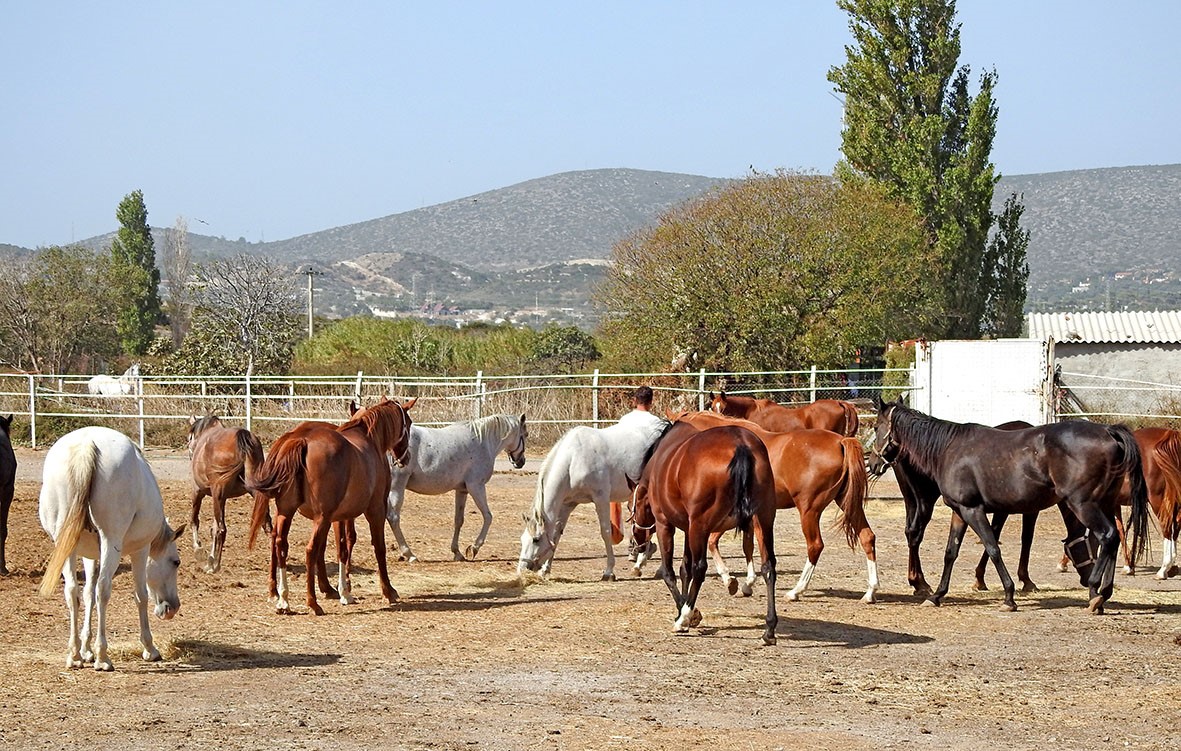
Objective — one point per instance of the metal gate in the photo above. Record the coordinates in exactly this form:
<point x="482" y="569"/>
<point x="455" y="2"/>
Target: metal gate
<point x="988" y="382"/>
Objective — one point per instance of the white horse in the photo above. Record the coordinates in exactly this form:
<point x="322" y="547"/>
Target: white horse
<point x="586" y="464"/>
<point x="458" y="457"/>
<point x="100" y="501"/>
<point x="105" y="385"/>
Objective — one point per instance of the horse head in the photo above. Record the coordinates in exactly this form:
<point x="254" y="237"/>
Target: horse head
<point x="517" y="453"/>
<point x="717" y="402"/>
<point x="163" y="563"/>
<point x="885" y="449"/>
<point x="198" y="425"/>
<point x="536" y="543"/>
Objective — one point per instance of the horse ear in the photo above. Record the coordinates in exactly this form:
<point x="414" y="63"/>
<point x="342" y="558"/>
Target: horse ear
<point x="352" y="408"/>
<point x="176" y="533"/>
<point x="409" y="402"/>
<point x="899" y="401"/>
<point x="876" y="399"/>
<point x="522" y="418"/>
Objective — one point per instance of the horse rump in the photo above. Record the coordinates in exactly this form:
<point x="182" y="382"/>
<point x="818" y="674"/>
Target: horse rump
<point x="283" y="469"/>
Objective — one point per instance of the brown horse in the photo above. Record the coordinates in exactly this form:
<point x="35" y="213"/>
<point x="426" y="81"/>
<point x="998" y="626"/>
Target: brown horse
<point x="822" y="414"/>
<point x="703" y="482"/>
<point x="332" y="475"/>
<point x="812" y="469"/>
<point x="222" y="460"/>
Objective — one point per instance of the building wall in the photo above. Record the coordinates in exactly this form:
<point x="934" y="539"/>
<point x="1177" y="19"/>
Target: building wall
<point x="1155" y="363"/>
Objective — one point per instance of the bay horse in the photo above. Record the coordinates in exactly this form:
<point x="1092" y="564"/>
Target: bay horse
<point x="7" y="485"/>
<point x="459" y="457"/>
<point x="100" y="501"/>
<point x="823" y="414"/>
<point x="701" y="482"/>
<point x="221" y="460"/>
<point x="978" y="470"/>
<point x="812" y="468"/>
<point x="332" y="474"/>
<point x="596" y="465"/>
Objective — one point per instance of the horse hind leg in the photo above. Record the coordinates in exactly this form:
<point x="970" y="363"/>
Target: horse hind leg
<point x="693" y="569"/>
<point x="998" y="525"/>
<point x="346" y="538"/>
<point x="480" y="496"/>
<point x="213" y="565"/>
<point x="195" y="517"/>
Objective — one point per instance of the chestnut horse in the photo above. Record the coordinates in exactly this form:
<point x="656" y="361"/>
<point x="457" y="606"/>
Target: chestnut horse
<point x="822" y="414"/>
<point x="705" y="481"/>
<point x="221" y="459"/>
<point x="812" y="469"/>
<point x="980" y="470"/>
<point x="332" y="475"/>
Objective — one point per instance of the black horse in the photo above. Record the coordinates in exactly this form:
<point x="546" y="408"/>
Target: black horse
<point x="980" y="470"/>
<point x="7" y="485"/>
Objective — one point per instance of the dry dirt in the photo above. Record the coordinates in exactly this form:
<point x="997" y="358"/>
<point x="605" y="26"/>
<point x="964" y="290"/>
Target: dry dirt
<point x="472" y="657"/>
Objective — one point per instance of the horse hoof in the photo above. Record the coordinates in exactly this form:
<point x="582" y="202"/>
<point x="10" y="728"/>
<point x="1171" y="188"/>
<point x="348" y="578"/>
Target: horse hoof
<point x="694" y="618"/>
<point x="869" y="598"/>
<point x="470" y="553"/>
<point x="1028" y="588"/>
<point x="104" y="667"/>
<point x="769" y="641"/>
<point x="608" y="578"/>
<point x="1096" y="606"/>
<point x="732" y="587"/>
<point x="793" y="595"/>
<point x="152" y="656"/>
<point x="316" y="610"/>
<point x="746" y="589"/>
<point x="331" y="593"/>
<point x="3" y="571"/>
<point x="1062" y="568"/>
<point x="980" y="586"/>
<point x="637" y="572"/>
<point x="930" y="604"/>
<point x="1008" y="607"/>
<point x="1129" y="571"/>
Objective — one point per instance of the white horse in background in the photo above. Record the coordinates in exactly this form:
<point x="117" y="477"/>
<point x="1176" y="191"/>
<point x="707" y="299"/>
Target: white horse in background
<point x="457" y="457"/>
<point x="100" y="501"/>
<point x="586" y="465"/>
<point x="105" y="385"/>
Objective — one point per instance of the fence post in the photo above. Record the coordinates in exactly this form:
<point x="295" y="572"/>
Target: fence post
<point x="813" y="383"/>
<point x="701" y="391"/>
<point x="595" y="398"/>
<point x="479" y="394"/>
<point x="249" y="412"/>
<point x="139" y="391"/>
<point x="33" y="411"/>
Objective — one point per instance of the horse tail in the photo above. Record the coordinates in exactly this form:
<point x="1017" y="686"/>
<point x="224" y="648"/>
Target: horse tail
<point x="1167" y="453"/>
<point x="284" y="468"/>
<point x="741" y="471"/>
<point x="250" y="449"/>
<point x="852" y="421"/>
<point x="79" y="477"/>
<point x="1134" y="471"/>
<point x="853" y="487"/>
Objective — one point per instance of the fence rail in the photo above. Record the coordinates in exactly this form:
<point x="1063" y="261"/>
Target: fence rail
<point x="157" y="408"/>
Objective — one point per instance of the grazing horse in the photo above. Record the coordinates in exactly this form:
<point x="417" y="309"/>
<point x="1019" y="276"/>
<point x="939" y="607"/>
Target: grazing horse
<point x="222" y="459"/>
<point x="105" y="385"/>
<point x="701" y="482"/>
<point x="980" y="470"/>
<point x="100" y="501"/>
<point x="7" y="485"/>
<point x="822" y="414"/>
<point x="812" y="469"/>
<point x="459" y="457"/>
<point x="598" y="465"/>
<point x="331" y="474"/>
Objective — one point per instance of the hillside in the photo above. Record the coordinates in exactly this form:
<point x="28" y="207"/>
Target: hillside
<point x="1099" y="237"/>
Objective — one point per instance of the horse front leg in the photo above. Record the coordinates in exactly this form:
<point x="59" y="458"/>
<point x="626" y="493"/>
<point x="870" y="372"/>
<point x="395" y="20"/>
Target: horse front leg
<point x="108" y="564"/>
<point x="313" y="554"/>
<point x="346" y="538"/>
<point x="480" y="495"/>
<point x="213" y="565"/>
<point x="393" y="515"/>
<point x="73" y="595"/>
<point x="377" y="535"/>
<point x="1102" y="580"/>
<point x="975" y="517"/>
<point x="457" y="523"/>
<point x="955" y="536"/>
<point x="90" y="572"/>
<point x="139" y="570"/>
<point x="1028" y="526"/>
<point x="998" y="525"/>
<point x="664" y="540"/>
<point x="195" y="516"/>
<point x="603" y="510"/>
<point x="279" y="549"/>
<point x="1129" y="569"/>
<point x="918" y="516"/>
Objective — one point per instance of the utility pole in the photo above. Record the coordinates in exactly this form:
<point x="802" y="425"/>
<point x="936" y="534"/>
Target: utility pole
<point x="310" y="273"/>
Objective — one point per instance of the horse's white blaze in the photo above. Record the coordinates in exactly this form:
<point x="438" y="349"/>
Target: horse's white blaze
<point x="586" y="465"/>
<point x="99" y="501"/>
<point x="459" y="458"/>
<point x="1168" y="554"/>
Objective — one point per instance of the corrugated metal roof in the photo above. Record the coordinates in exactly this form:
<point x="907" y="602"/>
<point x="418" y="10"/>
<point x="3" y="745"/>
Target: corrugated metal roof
<point x="1162" y="326"/>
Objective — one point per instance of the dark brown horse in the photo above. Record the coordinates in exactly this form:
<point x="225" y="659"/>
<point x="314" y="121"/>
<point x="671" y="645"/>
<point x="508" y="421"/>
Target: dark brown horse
<point x="703" y="482"/>
<point x="822" y="414"/>
<point x="7" y="485"/>
<point x="980" y="470"/>
<point x="332" y="475"/>
<point x="222" y="460"/>
<point x="812" y="469"/>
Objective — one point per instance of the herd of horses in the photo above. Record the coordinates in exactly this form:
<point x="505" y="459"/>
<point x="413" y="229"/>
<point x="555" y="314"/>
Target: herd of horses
<point x="698" y="473"/>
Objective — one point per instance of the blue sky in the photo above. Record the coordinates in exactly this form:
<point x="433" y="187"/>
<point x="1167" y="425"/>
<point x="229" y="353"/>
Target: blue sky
<point x="267" y="120"/>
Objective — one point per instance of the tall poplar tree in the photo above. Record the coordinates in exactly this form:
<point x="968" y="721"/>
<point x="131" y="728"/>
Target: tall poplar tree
<point x="133" y="264"/>
<point x="912" y="124"/>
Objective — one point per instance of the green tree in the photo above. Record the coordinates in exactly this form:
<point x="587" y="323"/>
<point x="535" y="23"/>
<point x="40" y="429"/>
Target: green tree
<point x="133" y="256"/>
<point x="774" y="272"/>
<point x="912" y="125"/>
<point x="564" y="349"/>
<point x="55" y="311"/>
<point x="1004" y="309"/>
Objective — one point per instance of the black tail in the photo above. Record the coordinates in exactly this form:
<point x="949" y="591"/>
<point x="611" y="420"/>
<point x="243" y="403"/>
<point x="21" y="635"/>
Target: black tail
<point x="742" y="469"/>
<point x="1134" y="470"/>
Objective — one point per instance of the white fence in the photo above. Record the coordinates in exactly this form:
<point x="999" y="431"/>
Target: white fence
<point x="267" y="404"/>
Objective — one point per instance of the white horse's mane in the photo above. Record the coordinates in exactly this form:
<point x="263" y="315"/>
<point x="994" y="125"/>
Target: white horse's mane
<point x="504" y="423"/>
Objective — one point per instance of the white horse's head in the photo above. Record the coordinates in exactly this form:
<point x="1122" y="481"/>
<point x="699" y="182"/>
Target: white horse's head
<point x="536" y="544"/>
<point x="163" y="562"/>
<point x="515" y="442"/>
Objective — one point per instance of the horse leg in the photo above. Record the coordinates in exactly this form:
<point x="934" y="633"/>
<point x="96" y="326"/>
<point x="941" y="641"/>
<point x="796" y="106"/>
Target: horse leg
<point x="219" y="532"/>
<point x="5" y="505"/>
<point x="868" y="540"/>
<point x="975" y="517"/>
<point x="1103" y="527"/>
<point x="279" y="549"/>
<point x="90" y="571"/>
<point x="955" y="536"/>
<point x="73" y="597"/>
<point x="346" y="537"/>
<point x="480" y="496"/>
<point x="765" y="532"/>
<point x="377" y="535"/>
<point x="810" y="524"/>
<point x="720" y="564"/>
<point x="664" y="540"/>
<point x="603" y="510"/>
<point x="312" y="555"/>
<point x="393" y="515"/>
<point x="998" y="525"/>
<point x="139" y="571"/>
<point x="693" y="568"/>
<point x="457" y="524"/>
<point x="918" y="516"/>
<point x="195" y="517"/>
<point x="1168" y="555"/>
<point x="1129" y="569"/>
<point x="746" y="586"/>
<point x="108" y="563"/>
<point x="1028" y="526"/>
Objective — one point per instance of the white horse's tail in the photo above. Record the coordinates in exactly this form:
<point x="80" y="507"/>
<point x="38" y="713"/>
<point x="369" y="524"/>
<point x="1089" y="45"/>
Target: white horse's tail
<point x="79" y="474"/>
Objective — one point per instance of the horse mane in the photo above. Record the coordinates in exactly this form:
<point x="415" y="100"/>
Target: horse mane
<point x="377" y="423"/>
<point x="480" y="425"/>
<point x="201" y="424"/>
<point x="652" y="449"/>
<point x="922" y="438"/>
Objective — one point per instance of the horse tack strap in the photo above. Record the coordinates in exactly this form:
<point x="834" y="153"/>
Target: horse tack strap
<point x="1081" y="550"/>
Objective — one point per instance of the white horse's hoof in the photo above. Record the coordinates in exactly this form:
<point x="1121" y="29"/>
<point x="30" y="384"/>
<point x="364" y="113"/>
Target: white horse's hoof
<point x="747" y="590"/>
<point x="608" y="577"/>
<point x="1162" y="575"/>
<point x="152" y="655"/>
<point x="104" y="666"/>
<point x="869" y="598"/>
<point x="930" y="604"/>
<point x="793" y="595"/>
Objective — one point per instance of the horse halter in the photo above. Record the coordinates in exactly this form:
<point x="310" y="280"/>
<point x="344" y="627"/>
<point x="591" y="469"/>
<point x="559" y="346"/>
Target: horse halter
<point x="631" y="509"/>
<point x="890" y="449"/>
<point x="404" y="458"/>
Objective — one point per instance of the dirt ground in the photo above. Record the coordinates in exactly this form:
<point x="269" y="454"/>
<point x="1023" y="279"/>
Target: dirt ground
<point x="473" y="657"/>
